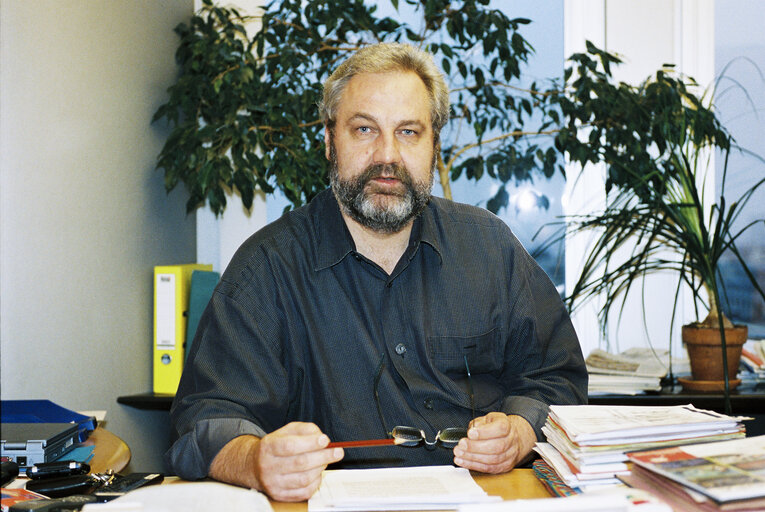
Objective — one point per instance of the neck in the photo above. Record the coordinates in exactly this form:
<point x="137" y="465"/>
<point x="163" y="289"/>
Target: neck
<point x="385" y="249"/>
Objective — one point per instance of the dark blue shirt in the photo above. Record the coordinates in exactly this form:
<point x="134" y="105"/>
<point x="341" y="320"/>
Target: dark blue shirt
<point x="300" y="322"/>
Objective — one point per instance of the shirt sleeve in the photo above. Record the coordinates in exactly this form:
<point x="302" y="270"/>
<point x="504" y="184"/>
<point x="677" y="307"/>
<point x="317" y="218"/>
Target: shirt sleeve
<point x="222" y="394"/>
<point x="543" y="359"/>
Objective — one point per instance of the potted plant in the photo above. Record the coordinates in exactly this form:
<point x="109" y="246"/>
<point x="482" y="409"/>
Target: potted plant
<point x="655" y="139"/>
<point x="243" y="112"/>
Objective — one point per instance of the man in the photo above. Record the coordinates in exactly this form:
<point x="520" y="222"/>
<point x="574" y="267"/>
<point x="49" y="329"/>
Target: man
<point x="374" y="306"/>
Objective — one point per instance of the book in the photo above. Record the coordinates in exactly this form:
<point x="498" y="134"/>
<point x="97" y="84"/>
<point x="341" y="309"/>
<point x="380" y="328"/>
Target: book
<point x="725" y="471"/>
<point x="683" y="499"/>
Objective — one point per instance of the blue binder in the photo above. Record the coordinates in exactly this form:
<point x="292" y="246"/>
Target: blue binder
<point x="45" y="411"/>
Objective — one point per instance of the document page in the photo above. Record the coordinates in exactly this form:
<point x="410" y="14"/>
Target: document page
<point x="413" y="488"/>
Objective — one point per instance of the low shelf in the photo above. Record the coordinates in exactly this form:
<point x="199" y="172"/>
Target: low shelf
<point x="745" y="400"/>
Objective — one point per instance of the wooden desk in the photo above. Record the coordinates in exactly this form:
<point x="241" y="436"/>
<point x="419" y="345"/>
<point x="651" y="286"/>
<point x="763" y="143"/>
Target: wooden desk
<point x="110" y="451"/>
<point x="517" y="484"/>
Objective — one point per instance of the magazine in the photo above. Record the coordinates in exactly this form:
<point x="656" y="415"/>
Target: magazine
<point x="724" y="471"/>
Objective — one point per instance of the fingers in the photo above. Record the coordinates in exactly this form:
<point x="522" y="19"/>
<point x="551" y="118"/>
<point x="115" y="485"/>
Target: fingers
<point x="290" y="461"/>
<point x="495" y="443"/>
<point x="295" y="438"/>
<point x="487" y="456"/>
<point x="493" y="425"/>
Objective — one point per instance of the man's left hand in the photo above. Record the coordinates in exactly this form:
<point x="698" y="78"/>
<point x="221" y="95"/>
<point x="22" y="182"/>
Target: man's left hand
<point x="496" y="443"/>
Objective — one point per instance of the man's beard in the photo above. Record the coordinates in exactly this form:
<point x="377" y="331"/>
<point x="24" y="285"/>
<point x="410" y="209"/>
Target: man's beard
<point x="395" y="210"/>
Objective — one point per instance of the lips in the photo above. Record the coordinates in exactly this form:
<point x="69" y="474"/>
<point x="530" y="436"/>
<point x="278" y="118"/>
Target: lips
<point x="386" y="185"/>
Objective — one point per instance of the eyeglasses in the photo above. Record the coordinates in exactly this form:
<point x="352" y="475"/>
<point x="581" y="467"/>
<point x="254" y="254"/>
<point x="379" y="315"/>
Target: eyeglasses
<point x="411" y="436"/>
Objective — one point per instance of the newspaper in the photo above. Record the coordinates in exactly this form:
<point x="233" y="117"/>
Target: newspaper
<point x="724" y="471"/>
<point x="636" y="362"/>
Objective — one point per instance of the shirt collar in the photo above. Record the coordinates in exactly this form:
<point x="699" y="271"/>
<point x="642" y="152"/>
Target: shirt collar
<point x="334" y="241"/>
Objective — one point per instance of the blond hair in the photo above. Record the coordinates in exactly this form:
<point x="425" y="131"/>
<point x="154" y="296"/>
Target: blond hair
<point x="382" y="58"/>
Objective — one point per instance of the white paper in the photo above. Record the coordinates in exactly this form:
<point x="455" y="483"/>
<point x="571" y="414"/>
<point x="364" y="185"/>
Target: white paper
<point x="611" y="424"/>
<point x="412" y="488"/>
<point x="185" y="497"/>
<point x="579" y="503"/>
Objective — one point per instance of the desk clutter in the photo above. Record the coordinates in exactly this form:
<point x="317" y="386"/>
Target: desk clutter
<point x="640" y="370"/>
<point x="689" y="458"/>
<point x="595" y="458"/>
<point x="39" y="431"/>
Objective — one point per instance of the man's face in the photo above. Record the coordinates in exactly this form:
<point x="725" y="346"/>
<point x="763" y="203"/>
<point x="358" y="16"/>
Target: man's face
<point x="382" y="150"/>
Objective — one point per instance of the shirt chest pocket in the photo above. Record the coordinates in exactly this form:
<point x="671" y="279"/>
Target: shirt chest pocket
<point x="448" y="353"/>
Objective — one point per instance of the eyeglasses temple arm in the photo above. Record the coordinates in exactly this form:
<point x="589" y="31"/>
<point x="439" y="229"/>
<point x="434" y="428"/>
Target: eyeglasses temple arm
<point x="377" y="395"/>
<point x="470" y="388"/>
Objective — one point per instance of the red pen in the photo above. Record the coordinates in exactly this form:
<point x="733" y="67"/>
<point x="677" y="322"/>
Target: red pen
<point x="364" y="443"/>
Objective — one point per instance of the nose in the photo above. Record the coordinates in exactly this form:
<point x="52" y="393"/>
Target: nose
<point x="387" y="150"/>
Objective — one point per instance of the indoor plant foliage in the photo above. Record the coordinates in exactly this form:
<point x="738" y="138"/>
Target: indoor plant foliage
<point x="655" y="144"/>
<point x="243" y="111"/>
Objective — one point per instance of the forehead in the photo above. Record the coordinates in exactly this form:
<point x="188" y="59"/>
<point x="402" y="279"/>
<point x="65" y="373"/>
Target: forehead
<point x="390" y="95"/>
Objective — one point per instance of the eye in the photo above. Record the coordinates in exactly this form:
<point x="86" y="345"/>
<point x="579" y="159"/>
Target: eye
<point x="408" y="132"/>
<point x="364" y="129"/>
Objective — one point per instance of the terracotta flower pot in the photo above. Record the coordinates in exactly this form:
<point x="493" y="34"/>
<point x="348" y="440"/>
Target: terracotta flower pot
<point x="705" y="354"/>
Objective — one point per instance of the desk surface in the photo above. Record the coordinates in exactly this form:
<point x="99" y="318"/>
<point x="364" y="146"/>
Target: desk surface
<point x="110" y="451"/>
<point x="517" y="484"/>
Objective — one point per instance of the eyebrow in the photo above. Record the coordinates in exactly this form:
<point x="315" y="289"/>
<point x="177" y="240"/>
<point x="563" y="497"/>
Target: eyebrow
<point x="367" y="117"/>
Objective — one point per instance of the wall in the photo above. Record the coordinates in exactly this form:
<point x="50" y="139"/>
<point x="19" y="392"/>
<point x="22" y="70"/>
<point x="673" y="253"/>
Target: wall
<point x="83" y="213"/>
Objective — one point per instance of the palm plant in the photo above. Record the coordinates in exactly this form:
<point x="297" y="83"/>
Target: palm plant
<point x="657" y="216"/>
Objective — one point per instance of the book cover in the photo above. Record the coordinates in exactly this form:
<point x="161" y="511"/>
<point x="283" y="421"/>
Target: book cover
<point x="724" y="471"/>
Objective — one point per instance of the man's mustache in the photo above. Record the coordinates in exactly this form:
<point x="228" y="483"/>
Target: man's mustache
<point x="386" y="171"/>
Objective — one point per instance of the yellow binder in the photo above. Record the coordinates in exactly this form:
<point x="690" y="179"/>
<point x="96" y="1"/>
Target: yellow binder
<point x="171" y="304"/>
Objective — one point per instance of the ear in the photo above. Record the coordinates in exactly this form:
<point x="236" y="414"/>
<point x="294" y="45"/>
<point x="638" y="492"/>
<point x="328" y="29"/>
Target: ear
<point x="326" y="141"/>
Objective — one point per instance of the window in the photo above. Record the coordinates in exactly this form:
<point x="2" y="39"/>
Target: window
<point x="740" y="101"/>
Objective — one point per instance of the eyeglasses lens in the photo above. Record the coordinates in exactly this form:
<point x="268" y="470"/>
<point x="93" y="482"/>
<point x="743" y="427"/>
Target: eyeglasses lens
<point x="407" y="436"/>
<point x="451" y="436"/>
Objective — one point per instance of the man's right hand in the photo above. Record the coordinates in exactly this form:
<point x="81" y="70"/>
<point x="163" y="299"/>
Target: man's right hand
<point x="285" y="464"/>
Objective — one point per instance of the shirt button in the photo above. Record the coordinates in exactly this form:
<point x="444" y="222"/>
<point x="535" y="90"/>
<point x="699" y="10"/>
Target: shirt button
<point x="428" y="402"/>
<point x="400" y="349"/>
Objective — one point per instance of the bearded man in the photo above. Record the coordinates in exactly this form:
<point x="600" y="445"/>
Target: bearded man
<point x="375" y="311"/>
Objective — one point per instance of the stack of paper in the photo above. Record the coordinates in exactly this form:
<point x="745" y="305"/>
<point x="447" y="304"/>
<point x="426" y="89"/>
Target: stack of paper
<point x="413" y="488"/>
<point x="728" y="475"/>
<point x="587" y="444"/>
<point x="633" y="371"/>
